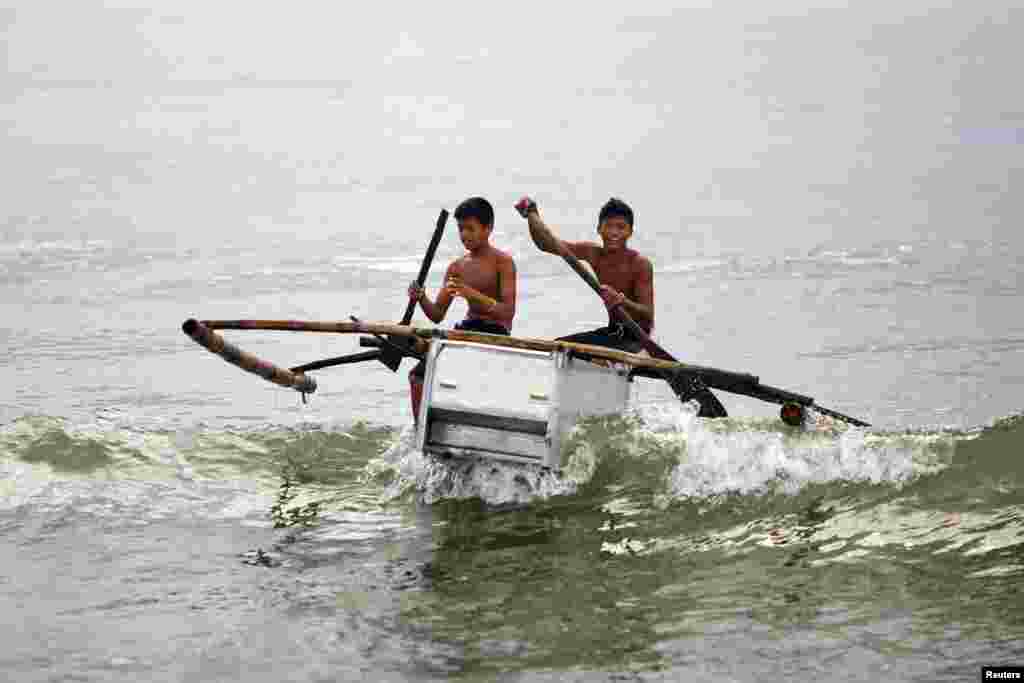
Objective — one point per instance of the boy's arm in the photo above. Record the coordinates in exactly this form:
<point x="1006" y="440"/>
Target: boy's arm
<point x="435" y="311"/>
<point x="545" y="238"/>
<point x="506" y="308"/>
<point x="542" y="235"/>
<point x="642" y="310"/>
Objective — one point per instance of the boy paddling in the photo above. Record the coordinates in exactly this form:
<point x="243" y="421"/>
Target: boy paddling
<point x="626" y="277"/>
<point x="485" y="277"/>
<point x="626" y="284"/>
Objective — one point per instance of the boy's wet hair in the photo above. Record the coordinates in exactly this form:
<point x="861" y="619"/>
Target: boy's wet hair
<point x="615" y="207"/>
<point x="475" y="207"/>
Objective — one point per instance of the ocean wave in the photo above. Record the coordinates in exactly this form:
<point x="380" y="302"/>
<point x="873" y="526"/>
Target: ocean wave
<point x="848" y="498"/>
<point x="108" y="449"/>
<point x="666" y="448"/>
<point x="660" y="448"/>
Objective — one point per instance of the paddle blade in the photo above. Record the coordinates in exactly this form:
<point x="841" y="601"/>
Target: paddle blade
<point x="393" y="349"/>
<point x="390" y="358"/>
<point x="693" y="389"/>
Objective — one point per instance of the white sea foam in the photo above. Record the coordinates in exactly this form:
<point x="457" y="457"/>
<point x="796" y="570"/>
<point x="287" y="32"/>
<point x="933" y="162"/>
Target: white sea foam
<point x="496" y="483"/>
<point x="747" y="457"/>
<point x="394" y="264"/>
<point x="690" y="265"/>
<point x="715" y="458"/>
<point x="47" y="246"/>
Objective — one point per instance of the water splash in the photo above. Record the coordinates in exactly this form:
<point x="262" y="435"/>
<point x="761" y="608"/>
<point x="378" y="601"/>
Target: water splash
<point x="755" y="457"/>
<point x="432" y="479"/>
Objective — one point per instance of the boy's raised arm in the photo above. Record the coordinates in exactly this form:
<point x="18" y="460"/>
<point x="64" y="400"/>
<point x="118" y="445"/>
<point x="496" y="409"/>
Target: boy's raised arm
<point x="540" y="233"/>
<point x="545" y="238"/>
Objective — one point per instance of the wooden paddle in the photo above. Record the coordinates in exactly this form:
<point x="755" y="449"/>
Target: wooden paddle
<point x="392" y="352"/>
<point x="710" y="406"/>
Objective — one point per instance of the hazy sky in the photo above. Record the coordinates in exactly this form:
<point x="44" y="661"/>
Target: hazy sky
<point x="891" y="119"/>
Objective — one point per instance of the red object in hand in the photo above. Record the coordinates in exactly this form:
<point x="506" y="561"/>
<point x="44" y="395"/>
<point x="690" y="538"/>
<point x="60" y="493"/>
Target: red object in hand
<point x="525" y="205"/>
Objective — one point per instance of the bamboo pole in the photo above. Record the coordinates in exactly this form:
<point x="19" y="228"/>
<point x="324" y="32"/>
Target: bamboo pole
<point x="213" y="342"/>
<point x="423" y="334"/>
<point x="734" y="382"/>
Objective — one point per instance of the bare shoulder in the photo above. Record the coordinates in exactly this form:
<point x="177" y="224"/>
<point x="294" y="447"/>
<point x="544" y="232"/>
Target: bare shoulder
<point x="502" y="257"/>
<point x="641" y="262"/>
<point x="457" y="265"/>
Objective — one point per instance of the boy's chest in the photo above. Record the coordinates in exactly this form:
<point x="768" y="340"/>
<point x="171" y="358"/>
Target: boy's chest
<point x="617" y="273"/>
<point x="481" y="274"/>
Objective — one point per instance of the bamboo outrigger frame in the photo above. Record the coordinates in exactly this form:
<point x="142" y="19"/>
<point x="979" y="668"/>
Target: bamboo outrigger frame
<point x="205" y="334"/>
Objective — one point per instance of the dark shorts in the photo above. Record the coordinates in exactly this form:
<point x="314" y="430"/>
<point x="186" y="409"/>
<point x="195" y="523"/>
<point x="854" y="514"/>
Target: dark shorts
<point x="612" y="337"/>
<point x="467" y="325"/>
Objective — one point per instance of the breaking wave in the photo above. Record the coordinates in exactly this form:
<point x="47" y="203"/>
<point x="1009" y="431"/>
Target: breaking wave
<point x="662" y="448"/>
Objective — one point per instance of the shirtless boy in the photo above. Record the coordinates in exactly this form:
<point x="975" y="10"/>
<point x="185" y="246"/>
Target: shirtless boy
<point x="485" y="277"/>
<point x="626" y="277"/>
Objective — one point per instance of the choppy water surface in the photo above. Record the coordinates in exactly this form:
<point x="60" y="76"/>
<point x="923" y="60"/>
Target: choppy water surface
<point x="669" y="547"/>
<point x="828" y="198"/>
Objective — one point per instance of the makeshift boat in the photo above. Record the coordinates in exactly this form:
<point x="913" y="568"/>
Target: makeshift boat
<point x="511" y="404"/>
<point x="507" y="398"/>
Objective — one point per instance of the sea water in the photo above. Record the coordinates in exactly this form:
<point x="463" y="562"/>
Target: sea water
<point x="827" y="197"/>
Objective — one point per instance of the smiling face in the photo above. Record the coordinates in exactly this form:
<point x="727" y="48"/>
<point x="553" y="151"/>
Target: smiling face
<point x="473" y="233"/>
<point x="614" y="231"/>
